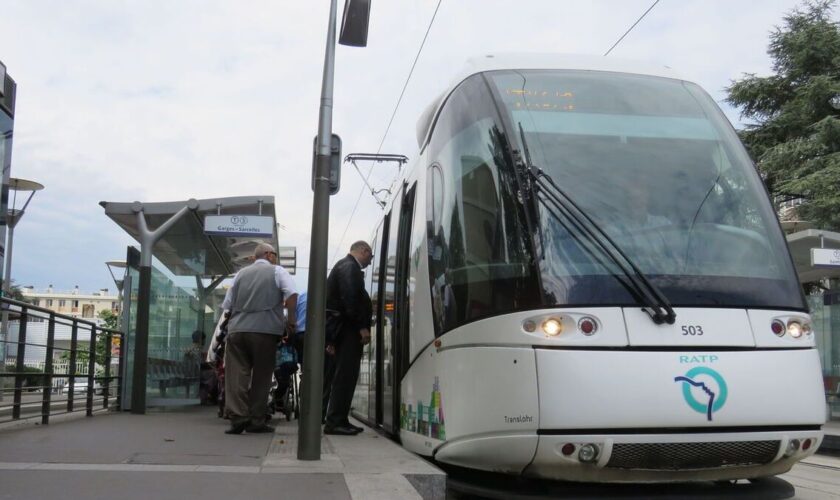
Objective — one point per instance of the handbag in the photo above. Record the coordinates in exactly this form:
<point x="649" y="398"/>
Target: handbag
<point x="286" y="354"/>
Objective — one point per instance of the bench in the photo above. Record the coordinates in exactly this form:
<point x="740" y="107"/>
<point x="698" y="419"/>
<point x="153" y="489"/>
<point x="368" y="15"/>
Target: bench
<point x="171" y="373"/>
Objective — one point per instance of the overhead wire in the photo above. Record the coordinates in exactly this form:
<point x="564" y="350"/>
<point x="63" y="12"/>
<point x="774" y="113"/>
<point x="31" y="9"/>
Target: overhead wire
<point x="388" y="128"/>
<point x="631" y="28"/>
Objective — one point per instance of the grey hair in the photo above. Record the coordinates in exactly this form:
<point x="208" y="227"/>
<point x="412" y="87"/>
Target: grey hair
<point x="359" y="246"/>
<point x="262" y="249"/>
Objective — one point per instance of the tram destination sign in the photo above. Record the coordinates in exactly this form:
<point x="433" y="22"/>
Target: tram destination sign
<point x="825" y="257"/>
<point x="239" y="225"/>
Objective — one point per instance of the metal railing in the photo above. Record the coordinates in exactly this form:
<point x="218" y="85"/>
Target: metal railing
<point x="53" y="364"/>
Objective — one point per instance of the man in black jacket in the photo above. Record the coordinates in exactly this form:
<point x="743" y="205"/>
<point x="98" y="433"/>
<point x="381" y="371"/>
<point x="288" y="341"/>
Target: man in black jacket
<point x="349" y="311"/>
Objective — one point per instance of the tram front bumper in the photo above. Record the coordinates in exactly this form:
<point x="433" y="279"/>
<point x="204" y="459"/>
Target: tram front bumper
<point x="678" y="415"/>
<point x="669" y="457"/>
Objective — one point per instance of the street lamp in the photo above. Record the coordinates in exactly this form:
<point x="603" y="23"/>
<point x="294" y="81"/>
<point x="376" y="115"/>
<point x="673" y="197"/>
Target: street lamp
<point x="13" y="216"/>
<point x="354" y="30"/>
<point x="120" y="265"/>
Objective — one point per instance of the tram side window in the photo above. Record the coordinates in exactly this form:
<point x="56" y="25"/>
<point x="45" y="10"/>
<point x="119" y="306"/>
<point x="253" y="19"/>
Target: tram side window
<point x="479" y="261"/>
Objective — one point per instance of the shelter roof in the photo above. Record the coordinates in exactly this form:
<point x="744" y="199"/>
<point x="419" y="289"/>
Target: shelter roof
<point x="185" y="249"/>
<point x="801" y="243"/>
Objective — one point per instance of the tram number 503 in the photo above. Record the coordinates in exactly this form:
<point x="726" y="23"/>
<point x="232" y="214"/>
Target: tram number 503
<point x="692" y="330"/>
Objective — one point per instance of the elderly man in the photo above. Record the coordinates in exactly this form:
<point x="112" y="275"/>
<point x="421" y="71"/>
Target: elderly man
<point x="349" y="301"/>
<point x="256" y="301"/>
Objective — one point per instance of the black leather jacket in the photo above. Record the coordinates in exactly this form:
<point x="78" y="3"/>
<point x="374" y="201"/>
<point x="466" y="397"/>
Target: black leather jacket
<point x="346" y="294"/>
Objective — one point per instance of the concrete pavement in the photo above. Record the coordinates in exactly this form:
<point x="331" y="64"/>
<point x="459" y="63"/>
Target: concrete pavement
<point x="184" y="454"/>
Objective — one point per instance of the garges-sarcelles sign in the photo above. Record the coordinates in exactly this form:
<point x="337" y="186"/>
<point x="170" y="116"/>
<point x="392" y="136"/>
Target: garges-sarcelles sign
<point x="239" y="225"/>
<point x="825" y="257"/>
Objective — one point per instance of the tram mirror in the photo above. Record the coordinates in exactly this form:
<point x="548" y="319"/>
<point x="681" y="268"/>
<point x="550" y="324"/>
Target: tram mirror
<point x="335" y="163"/>
<point x="354" y="25"/>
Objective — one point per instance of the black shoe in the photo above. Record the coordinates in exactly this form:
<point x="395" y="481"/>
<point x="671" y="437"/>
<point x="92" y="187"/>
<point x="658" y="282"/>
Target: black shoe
<point x="341" y="430"/>
<point x="358" y="429"/>
<point x="259" y="429"/>
<point x="236" y="428"/>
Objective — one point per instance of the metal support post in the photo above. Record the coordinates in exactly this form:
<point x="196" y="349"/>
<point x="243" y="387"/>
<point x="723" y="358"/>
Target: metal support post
<point x="71" y="370"/>
<point x="141" y="342"/>
<point x="309" y="442"/>
<point x="7" y="288"/>
<point x="46" y="404"/>
<point x="124" y="327"/>
<point x="91" y="382"/>
<point x="21" y="357"/>
<point x="106" y="385"/>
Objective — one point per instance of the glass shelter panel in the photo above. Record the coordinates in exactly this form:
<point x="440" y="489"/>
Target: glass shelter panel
<point x="825" y="315"/>
<point x="175" y="341"/>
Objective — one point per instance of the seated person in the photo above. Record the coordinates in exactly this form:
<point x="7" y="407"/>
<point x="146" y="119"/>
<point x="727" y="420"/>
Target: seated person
<point x="286" y="366"/>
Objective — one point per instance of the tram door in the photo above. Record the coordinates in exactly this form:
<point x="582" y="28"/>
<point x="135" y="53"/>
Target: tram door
<point x="394" y="325"/>
<point x="373" y="411"/>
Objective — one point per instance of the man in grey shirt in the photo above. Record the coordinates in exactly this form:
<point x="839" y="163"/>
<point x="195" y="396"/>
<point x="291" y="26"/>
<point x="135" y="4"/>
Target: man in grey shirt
<point x="256" y="302"/>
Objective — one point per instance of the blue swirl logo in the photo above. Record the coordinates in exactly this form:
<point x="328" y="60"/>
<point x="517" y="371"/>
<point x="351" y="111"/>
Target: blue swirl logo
<point x="714" y="393"/>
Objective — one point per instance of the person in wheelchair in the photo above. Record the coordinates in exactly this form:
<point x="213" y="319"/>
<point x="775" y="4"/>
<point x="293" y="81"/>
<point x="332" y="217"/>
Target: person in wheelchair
<point x="286" y="368"/>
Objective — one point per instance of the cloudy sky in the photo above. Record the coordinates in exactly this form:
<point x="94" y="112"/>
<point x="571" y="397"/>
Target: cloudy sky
<point x="156" y="100"/>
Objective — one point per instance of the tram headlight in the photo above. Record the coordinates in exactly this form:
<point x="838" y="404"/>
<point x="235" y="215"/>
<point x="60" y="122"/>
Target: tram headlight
<point x="588" y="453"/>
<point x="794" y="328"/>
<point x="552" y="327"/>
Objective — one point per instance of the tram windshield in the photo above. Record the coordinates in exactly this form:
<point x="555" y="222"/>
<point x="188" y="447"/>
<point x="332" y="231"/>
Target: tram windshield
<point x="656" y="166"/>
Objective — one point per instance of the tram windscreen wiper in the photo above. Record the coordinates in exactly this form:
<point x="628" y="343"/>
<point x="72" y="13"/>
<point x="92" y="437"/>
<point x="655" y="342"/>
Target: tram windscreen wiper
<point x="564" y="209"/>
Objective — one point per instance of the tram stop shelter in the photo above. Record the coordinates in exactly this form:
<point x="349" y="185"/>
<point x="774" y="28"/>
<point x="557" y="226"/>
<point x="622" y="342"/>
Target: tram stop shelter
<point x="816" y="255"/>
<point x="171" y="287"/>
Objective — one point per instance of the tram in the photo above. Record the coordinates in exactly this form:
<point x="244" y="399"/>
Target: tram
<point x="582" y="278"/>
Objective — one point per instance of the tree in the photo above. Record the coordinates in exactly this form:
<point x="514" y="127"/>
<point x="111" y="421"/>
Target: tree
<point x="795" y="137"/>
<point x="109" y="320"/>
<point x="15" y="293"/>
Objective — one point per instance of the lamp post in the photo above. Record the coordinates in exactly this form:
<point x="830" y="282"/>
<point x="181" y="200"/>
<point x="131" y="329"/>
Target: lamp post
<point x="354" y="30"/>
<point x="13" y="216"/>
<point x="122" y="270"/>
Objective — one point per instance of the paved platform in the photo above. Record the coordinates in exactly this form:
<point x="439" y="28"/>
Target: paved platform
<point x="185" y="454"/>
<point x="831" y="442"/>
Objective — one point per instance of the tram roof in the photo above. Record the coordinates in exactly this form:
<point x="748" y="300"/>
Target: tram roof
<point x="185" y="249"/>
<point x="496" y="62"/>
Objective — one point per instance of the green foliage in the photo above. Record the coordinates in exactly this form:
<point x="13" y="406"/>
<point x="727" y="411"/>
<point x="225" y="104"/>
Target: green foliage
<point x="109" y="319"/>
<point x="795" y="137"/>
<point x="15" y="293"/>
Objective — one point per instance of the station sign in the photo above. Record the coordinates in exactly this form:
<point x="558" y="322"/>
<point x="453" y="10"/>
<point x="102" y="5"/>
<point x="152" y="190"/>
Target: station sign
<point x="825" y="257"/>
<point x="239" y="225"/>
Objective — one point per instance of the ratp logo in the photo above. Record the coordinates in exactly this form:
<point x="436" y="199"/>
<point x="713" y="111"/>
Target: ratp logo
<point x="239" y="220"/>
<point x="709" y="385"/>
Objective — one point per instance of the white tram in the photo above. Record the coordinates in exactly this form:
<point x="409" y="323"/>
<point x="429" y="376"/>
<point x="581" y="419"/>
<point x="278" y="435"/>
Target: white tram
<point x="582" y="278"/>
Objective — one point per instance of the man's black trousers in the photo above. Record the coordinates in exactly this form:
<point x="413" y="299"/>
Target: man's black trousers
<point x="348" y="357"/>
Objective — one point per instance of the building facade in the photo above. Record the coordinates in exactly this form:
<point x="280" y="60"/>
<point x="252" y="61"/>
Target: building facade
<point x="74" y="303"/>
<point x="7" y="114"/>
